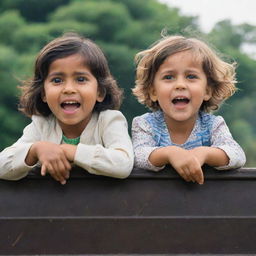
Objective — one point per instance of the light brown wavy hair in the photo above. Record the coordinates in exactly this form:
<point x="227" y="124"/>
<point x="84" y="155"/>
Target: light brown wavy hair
<point x="220" y="74"/>
<point x="31" y="102"/>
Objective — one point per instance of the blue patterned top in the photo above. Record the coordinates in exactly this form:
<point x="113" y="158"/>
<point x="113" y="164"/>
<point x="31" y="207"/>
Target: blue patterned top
<point x="200" y="136"/>
<point x="149" y="132"/>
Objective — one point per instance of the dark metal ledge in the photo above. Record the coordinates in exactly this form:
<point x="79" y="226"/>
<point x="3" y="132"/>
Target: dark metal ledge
<point x="167" y="173"/>
<point x="147" y="213"/>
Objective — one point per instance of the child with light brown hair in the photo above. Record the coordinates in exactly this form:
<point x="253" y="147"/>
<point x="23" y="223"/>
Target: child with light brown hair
<point x="182" y="80"/>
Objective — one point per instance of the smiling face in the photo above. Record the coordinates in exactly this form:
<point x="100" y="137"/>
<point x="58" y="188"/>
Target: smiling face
<point x="71" y="91"/>
<point x="180" y="87"/>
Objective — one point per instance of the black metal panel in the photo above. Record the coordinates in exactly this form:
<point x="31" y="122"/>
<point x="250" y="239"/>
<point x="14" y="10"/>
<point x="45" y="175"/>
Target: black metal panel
<point x="128" y="236"/>
<point x="148" y="213"/>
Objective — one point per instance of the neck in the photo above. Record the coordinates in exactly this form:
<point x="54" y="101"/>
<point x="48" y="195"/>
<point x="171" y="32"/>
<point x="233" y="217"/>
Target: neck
<point x="180" y="130"/>
<point x="72" y="131"/>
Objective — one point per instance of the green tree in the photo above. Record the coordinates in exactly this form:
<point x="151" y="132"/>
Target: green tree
<point x="32" y="10"/>
<point x="121" y="28"/>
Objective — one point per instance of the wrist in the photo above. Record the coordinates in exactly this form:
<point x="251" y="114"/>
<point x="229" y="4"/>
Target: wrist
<point x="31" y="158"/>
<point x="201" y="153"/>
<point x="173" y="152"/>
<point x="69" y="151"/>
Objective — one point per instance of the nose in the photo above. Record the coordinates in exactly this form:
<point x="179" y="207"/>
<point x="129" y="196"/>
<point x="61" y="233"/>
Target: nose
<point x="69" y="87"/>
<point x="180" y="84"/>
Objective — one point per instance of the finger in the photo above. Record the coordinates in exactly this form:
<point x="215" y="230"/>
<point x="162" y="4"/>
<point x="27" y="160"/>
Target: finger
<point x="66" y="164"/>
<point x="199" y="176"/>
<point x="194" y="174"/>
<point x="189" y="174"/>
<point x="57" y="170"/>
<point x="60" y="171"/>
<point x="43" y="170"/>
<point x="63" y="182"/>
<point x="53" y="173"/>
<point x="183" y="173"/>
<point x="63" y="171"/>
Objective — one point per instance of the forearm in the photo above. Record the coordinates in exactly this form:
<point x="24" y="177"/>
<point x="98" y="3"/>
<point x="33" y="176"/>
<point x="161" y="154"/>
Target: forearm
<point x="223" y="140"/>
<point x="183" y="161"/>
<point x="161" y="156"/>
<point x="236" y="157"/>
<point x="212" y="156"/>
<point x="12" y="162"/>
<point x="217" y="157"/>
<point x="113" y="162"/>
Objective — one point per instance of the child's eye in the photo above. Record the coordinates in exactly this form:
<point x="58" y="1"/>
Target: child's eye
<point x="191" y="76"/>
<point x="56" y="80"/>
<point x="81" y="79"/>
<point x="168" y="77"/>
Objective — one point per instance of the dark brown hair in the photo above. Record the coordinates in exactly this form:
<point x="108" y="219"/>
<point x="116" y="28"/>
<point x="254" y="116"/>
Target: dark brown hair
<point x="31" y="102"/>
<point x="220" y="74"/>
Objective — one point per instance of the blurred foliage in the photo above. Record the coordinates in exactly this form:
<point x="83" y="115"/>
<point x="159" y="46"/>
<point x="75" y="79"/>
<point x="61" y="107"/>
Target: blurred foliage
<point x="121" y="28"/>
<point x="32" y="10"/>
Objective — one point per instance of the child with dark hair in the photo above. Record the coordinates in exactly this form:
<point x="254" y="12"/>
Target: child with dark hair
<point x="73" y="101"/>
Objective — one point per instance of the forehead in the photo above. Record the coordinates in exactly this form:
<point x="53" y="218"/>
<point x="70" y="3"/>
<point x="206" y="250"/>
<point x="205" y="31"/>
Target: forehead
<point x="69" y="61"/>
<point x="188" y="58"/>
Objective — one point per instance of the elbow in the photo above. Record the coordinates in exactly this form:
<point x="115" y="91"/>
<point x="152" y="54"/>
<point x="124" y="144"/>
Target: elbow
<point x="12" y="176"/>
<point x="241" y="161"/>
<point x="124" y="171"/>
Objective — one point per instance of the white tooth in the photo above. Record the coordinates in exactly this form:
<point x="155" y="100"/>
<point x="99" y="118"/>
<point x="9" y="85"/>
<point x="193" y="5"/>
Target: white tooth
<point x="70" y="102"/>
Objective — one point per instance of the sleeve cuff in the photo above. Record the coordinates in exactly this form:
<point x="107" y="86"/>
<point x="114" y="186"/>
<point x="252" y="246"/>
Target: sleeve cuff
<point x="20" y="156"/>
<point x="84" y="156"/>
<point x="236" y="159"/>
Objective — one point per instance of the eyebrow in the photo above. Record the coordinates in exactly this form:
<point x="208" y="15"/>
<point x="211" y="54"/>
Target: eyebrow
<point x="75" y="73"/>
<point x="174" y="71"/>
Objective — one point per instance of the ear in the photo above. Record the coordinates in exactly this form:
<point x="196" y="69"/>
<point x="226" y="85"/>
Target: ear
<point x="100" y="96"/>
<point x="43" y="97"/>
<point x="208" y="93"/>
<point x="153" y="94"/>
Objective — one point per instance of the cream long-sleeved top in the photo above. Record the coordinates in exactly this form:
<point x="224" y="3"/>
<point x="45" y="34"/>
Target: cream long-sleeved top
<point x="105" y="146"/>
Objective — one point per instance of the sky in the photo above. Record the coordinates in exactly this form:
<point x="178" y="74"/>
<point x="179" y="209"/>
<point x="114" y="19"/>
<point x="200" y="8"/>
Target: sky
<point x="212" y="11"/>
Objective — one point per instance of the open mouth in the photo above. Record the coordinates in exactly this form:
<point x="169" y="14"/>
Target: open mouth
<point x="180" y="100"/>
<point x="70" y="105"/>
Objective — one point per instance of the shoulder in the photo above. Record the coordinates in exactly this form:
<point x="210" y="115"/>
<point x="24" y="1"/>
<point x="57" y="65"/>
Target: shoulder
<point x="150" y="122"/>
<point x="206" y="117"/>
<point x="141" y="118"/>
<point x="220" y="123"/>
<point x="209" y="116"/>
<point x="214" y="122"/>
<point x="110" y="114"/>
<point x="41" y="121"/>
<point x="44" y="124"/>
<point x="152" y="118"/>
<point x="141" y="121"/>
<point x="209" y="120"/>
<point x="112" y="117"/>
<point x="213" y="119"/>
